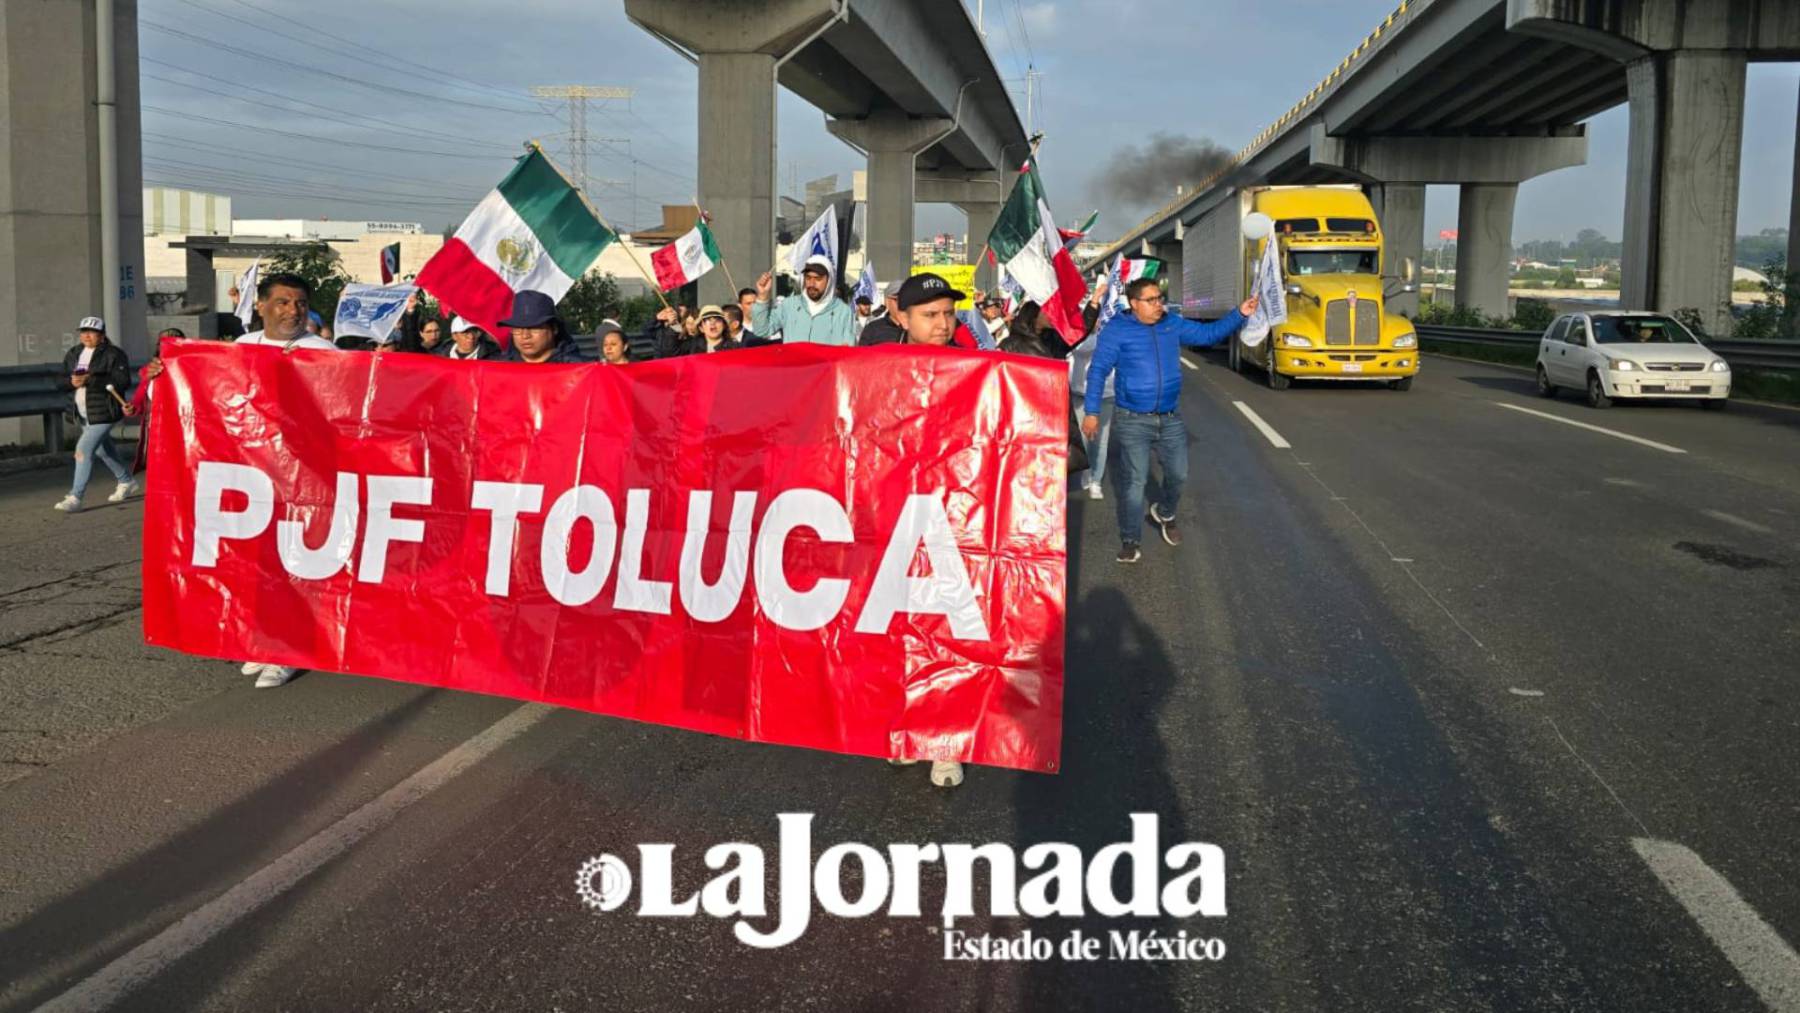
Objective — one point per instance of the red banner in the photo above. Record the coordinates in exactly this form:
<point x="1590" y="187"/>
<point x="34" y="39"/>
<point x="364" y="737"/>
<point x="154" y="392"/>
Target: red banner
<point x="858" y="550"/>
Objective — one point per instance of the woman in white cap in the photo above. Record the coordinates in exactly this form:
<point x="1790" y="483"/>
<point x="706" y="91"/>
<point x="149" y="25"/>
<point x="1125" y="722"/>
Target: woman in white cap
<point x="467" y="341"/>
<point x="98" y="374"/>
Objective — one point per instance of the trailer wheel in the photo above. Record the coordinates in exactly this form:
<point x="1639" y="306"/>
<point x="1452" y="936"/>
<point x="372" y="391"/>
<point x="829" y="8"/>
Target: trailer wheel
<point x="1277" y="379"/>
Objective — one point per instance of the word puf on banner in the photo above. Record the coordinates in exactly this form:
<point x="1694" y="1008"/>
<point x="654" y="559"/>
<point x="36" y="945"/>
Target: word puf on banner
<point x="870" y="563"/>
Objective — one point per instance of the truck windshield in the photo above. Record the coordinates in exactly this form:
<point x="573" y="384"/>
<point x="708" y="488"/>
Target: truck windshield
<point x="1331" y="262"/>
<point x="1610" y="330"/>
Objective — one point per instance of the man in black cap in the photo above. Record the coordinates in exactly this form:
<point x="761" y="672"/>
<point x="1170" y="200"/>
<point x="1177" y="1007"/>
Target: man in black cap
<point x="538" y="334"/>
<point x="925" y="309"/>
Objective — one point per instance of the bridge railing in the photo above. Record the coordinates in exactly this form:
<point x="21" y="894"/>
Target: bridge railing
<point x="36" y="389"/>
<point x="1739" y="354"/>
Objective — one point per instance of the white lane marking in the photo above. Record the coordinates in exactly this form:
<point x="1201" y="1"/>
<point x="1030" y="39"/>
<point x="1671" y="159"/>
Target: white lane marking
<point x="1516" y="691"/>
<point x="1185" y="362"/>
<point x="1768" y="964"/>
<point x="1267" y="430"/>
<point x="1664" y="447"/>
<point x="1720" y="515"/>
<point x="118" y="979"/>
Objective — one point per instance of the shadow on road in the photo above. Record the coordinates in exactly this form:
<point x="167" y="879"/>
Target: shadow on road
<point x="173" y="875"/>
<point x="1114" y="764"/>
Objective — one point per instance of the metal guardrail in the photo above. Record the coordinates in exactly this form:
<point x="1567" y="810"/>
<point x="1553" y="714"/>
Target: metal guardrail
<point x="1745" y="354"/>
<point x="36" y="389"/>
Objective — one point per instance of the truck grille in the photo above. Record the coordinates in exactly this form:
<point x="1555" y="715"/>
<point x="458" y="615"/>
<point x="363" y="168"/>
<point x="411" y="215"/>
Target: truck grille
<point x="1367" y="324"/>
<point x="1337" y="322"/>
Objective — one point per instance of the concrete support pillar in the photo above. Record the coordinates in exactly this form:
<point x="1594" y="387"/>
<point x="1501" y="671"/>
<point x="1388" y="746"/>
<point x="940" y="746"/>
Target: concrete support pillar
<point x="1681" y="182"/>
<point x="982" y="216"/>
<point x="1484" y="219"/>
<point x="1402" y="217"/>
<point x="737" y="165"/>
<point x="50" y="274"/>
<point x="893" y="142"/>
<point x="738" y="48"/>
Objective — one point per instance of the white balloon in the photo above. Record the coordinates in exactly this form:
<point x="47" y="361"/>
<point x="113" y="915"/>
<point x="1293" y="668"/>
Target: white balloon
<point x="1258" y="225"/>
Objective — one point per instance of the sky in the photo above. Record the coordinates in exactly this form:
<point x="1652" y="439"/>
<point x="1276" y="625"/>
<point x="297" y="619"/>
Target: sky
<point x="411" y="110"/>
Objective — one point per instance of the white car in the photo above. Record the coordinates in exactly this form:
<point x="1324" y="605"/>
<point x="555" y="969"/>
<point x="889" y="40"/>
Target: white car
<point x="1629" y="355"/>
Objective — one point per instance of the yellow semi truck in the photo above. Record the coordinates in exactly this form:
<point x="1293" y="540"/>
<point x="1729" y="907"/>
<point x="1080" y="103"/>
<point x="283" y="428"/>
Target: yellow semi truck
<point x="1338" y="280"/>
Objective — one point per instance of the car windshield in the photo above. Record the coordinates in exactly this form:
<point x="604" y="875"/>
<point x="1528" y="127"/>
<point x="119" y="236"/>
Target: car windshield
<point x="1640" y="331"/>
<point x="1331" y="262"/>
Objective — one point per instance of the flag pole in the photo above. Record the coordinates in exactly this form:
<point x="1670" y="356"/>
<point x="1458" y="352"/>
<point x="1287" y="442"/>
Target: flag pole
<point x="1032" y="157"/>
<point x="729" y="280"/>
<point x="654" y="287"/>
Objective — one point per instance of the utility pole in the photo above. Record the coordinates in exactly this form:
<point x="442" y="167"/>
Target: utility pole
<point x="577" y="96"/>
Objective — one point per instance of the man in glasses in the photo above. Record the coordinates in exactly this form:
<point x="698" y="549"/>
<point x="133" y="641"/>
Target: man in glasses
<point x="1144" y="346"/>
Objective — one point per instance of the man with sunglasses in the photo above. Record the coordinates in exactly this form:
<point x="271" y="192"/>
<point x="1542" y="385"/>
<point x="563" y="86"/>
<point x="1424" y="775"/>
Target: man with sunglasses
<point x="1144" y="346"/>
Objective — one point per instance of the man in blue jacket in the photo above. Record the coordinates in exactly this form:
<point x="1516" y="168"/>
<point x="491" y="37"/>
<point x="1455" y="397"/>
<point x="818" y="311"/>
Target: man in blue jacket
<point x="1145" y="347"/>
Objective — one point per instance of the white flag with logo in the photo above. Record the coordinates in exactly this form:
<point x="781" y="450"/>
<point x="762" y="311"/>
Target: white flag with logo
<point x="821" y="238"/>
<point x="371" y="311"/>
<point x="246" y="286"/>
<point x="1271" y="296"/>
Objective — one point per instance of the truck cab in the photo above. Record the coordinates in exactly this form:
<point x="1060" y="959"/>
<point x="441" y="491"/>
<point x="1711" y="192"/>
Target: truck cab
<point x="1333" y="261"/>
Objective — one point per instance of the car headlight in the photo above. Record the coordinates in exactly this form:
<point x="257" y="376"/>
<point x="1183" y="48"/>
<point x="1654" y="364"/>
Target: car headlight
<point x="1406" y="340"/>
<point x="1296" y="341"/>
<point x="1721" y="366"/>
<point x="1622" y="365"/>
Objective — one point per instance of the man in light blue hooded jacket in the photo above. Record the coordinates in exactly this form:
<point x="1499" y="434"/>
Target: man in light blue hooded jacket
<point x="814" y="314"/>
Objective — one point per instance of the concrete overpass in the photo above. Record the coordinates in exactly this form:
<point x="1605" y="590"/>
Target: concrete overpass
<point x="1485" y="94"/>
<point x="907" y="82"/>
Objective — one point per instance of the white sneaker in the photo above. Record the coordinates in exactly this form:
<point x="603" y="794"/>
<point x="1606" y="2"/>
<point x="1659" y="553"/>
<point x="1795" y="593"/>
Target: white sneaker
<point x="275" y="675"/>
<point x="69" y="505"/>
<point x="1095" y="492"/>
<point x="252" y="668"/>
<point x="946" y="773"/>
<point x="126" y="488"/>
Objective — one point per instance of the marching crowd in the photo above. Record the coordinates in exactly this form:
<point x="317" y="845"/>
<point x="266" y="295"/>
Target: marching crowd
<point x="1124" y="382"/>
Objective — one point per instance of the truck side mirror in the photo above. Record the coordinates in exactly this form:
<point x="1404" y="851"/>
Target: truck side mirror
<point x="1294" y="288"/>
<point x="1407" y="270"/>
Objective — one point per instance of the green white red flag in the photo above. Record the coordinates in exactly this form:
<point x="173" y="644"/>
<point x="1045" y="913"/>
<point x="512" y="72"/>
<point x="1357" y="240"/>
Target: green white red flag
<point x="534" y="231"/>
<point x="1026" y="242"/>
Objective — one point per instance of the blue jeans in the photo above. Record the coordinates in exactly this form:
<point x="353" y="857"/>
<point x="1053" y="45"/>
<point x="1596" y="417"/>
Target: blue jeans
<point x="96" y="441"/>
<point x="1133" y="437"/>
<point x="1096" y="447"/>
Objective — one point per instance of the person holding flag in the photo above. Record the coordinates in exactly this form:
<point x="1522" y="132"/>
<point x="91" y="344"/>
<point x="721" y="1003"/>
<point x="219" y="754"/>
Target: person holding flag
<point x="814" y="314"/>
<point x="1144" y="348"/>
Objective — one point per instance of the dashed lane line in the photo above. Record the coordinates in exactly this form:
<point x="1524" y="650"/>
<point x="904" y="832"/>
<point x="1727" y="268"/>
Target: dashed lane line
<point x="1267" y="430"/>
<point x="1664" y="447"/>
<point x="1765" y="960"/>
<point x="118" y="979"/>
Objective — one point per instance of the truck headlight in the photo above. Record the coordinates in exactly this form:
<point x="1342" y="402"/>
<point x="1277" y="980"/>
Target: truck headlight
<point x="1406" y="340"/>
<point x="1296" y="341"/>
<point x="1721" y="366"/>
<point x="1622" y="365"/>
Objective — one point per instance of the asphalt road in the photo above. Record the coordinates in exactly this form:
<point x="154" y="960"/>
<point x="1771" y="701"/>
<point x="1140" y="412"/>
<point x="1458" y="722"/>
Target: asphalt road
<point x="1485" y="711"/>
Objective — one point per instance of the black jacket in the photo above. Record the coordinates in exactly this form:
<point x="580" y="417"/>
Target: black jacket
<point x="485" y="348"/>
<point x="881" y="331"/>
<point x="109" y="365"/>
<point x="671" y="344"/>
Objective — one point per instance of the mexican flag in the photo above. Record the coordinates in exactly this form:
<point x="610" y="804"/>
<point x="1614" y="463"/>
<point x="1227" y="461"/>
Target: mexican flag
<point x="1133" y="268"/>
<point x="390" y="263"/>
<point x="534" y="231"/>
<point x="686" y="258"/>
<point x="1027" y="244"/>
<point x="1079" y="232"/>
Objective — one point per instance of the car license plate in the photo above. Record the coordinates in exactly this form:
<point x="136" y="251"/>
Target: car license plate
<point x="1352" y="367"/>
<point x="1675" y="385"/>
